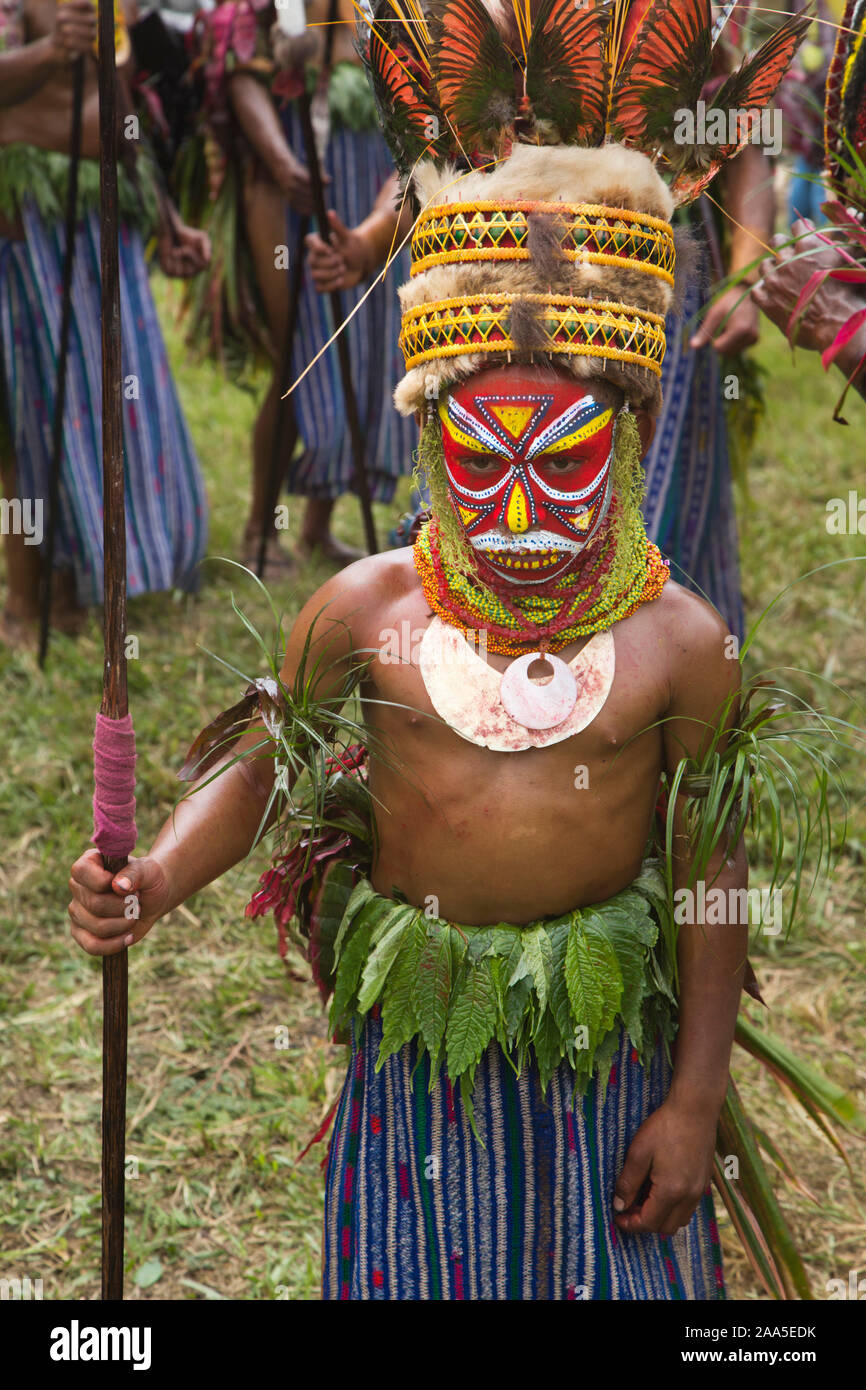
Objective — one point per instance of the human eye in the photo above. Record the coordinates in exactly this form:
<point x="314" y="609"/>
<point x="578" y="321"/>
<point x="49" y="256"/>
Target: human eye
<point x="481" y="465"/>
<point x="560" y="465"/>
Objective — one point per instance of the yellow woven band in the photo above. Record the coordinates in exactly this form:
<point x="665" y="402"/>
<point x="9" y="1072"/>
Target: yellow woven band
<point x="583" y="327"/>
<point x="589" y="233"/>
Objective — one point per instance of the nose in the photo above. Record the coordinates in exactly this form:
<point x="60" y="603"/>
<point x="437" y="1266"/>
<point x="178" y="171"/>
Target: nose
<point x="517" y="511"/>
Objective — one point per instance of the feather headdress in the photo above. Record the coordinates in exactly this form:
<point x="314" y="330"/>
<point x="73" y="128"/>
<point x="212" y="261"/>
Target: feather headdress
<point x="547" y="145"/>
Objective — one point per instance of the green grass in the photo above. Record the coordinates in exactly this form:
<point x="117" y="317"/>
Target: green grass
<point x="218" y="1115"/>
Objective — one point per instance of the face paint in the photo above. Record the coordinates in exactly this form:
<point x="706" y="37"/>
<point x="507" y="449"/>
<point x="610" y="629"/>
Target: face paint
<point x="529" y="470"/>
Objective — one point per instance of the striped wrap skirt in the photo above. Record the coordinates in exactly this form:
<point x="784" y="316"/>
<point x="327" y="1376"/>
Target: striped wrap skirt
<point x="166" y="505"/>
<point x="417" y="1208"/>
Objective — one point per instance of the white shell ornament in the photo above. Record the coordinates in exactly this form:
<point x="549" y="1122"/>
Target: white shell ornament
<point x="465" y="691"/>
<point x="538" y="704"/>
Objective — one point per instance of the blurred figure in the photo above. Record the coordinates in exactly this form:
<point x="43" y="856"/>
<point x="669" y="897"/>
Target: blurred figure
<point x="801" y="98"/>
<point x="255" y="146"/>
<point x="165" y="497"/>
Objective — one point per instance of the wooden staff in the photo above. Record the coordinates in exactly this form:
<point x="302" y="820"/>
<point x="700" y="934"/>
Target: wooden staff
<point x="362" y="486"/>
<point x="114" y="696"/>
<point x="63" y="353"/>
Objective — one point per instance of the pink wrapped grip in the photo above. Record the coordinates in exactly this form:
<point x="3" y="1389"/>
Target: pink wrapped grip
<point x="114" y="832"/>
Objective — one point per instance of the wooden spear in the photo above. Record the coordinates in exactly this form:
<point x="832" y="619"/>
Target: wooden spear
<point x="114" y="696"/>
<point x="62" y="353"/>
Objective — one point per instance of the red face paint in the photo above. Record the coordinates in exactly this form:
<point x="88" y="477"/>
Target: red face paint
<point x="529" y="469"/>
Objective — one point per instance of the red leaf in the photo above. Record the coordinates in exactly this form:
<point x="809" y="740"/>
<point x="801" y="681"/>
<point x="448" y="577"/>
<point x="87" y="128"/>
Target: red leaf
<point x="851" y="277"/>
<point x="815" y="280"/>
<point x="843" y="337"/>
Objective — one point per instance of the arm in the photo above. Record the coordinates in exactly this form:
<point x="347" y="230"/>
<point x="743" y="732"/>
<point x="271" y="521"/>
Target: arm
<point x="731" y="322"/>
<point x="827" y="311"/>
<point x="214" y="827"/>
<point x="673" y="1149"/>
<point x="257" y="117"/>
<point x="23" y="71"/>
<point x="354" y="253"/>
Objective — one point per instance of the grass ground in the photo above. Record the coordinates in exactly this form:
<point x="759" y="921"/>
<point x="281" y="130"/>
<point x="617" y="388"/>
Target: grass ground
<point x="218" y="1204"/>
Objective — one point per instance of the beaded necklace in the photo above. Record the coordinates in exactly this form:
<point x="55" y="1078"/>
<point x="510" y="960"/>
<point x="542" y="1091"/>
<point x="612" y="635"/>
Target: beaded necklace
<point x="552" y="615"/>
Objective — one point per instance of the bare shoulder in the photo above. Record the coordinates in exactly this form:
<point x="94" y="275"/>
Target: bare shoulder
<point x="344" y="611"/>
<point x="358" y="593"/>
<point x="701" y="653"/>
<point x="689" y="626"/>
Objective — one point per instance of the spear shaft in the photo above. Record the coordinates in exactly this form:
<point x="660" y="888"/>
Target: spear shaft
<point x="114" y="695"/>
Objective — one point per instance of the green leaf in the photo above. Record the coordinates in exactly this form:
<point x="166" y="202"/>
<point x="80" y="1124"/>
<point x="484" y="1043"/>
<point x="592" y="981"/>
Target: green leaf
<point x="518" y="967"/>
<point x="630" y="934"/>
<point x="592" y="977"/>
<point x="480" y="943"/>
<point x="603" y="1057"/>
<point x="387" y="915"/>
<point x="432" y="988"/>
<point x="537" y="956"/>
<point x="560" y="1003"/>
<point x="549" y="1047"/>
<point x="348" y="973"/>
<point x="148" y="1274"/>
<point x="333" y="901"/>
<point x="399" y="1019"/>
<point x="516" y="1000"/>
<point x="381" y="959"/>
<point x="472" y="1020"/>
<point x="467" y="1086"/>
<point x="361" y="895"/>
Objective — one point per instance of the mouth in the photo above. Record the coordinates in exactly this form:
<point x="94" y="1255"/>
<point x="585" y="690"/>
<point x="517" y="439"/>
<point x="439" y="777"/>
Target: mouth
<point x="526" y="561"/>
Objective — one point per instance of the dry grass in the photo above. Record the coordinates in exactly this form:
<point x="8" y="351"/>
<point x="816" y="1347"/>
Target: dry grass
<point x="219" y="1207"/>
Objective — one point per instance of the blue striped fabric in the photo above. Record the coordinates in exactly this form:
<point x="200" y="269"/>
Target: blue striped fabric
<point x="359" y="165"/>
<point x="416" y="1208"/>
<point x="689" y="506"/>
<point x="166" y="531"/>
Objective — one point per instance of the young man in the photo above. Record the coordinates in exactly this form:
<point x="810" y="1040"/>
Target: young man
<point x="511" y="1125"/>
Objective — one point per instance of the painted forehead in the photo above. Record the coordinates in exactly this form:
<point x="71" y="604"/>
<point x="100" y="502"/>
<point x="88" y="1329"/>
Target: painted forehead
<point x="517" y="418"/>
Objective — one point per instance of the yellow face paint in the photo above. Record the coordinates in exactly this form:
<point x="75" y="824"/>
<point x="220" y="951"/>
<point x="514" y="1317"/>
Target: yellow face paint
<point x="517" y="511"/>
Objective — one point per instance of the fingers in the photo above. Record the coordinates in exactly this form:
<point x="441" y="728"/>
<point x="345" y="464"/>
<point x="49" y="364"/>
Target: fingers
<point x="652" y="1217"/>
<point x="323" y="258"/>
<point x="664" y="1212"/>
<point x="327" y="267"/>
<point x="101" y="914"/>
<point x="340" y="233"/>
<point x="102" y="946"/>
<point x="736" y="339"/>
<point x="75" y="27"/>
<point x="89" y="871"/>
<point x="635" y="1172"/>
<point x="730" y="327"/>
<point x="105" y="909"/>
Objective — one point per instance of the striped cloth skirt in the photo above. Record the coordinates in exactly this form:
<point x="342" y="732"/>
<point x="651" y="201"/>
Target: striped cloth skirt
<point x="689" y="504"/>
<point x="359" y="165"/>
<point x="417" y="1208"/>
<point x="166" y="506"/>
